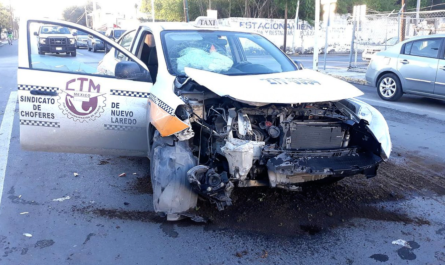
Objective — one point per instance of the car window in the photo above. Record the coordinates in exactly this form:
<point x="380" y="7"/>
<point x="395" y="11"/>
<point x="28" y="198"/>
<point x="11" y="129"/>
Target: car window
<point x="425" y="48"/>
<point x="64" y="53"/>
<point x="407" y="48"/>
<point x="224" y="52"/>
<point x="255" y="54"/>
<point x="125" y="42"/>
<point x="118" y="33"/>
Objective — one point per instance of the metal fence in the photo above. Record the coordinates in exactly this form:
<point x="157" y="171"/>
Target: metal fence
<point x="377" y="32"/>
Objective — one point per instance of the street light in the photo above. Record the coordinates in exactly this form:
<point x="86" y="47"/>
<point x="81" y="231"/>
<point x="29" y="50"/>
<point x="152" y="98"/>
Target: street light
<point x="327" y="7"/>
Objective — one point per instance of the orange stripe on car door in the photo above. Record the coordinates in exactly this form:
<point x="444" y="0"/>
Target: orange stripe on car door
<point x="165" y="123"/>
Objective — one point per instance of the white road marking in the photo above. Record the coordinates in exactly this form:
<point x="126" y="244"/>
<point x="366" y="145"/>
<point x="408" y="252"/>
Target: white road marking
<point x="5" y="137"/>
<point x="79" y="53"/>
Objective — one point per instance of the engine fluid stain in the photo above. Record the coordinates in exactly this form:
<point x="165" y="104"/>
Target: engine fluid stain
<point x="44" y="243"/>
<point x="141" y="185"/>
<point x="316" y="209"/>
<point x="380" y="257"/>
<point x="408" y="253"/>
<point x="169" y="229"/>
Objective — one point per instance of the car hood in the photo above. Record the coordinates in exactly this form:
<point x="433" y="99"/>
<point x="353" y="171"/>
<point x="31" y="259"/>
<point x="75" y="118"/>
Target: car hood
<point x="302" y="86"/>
<point x="55" y="35"/>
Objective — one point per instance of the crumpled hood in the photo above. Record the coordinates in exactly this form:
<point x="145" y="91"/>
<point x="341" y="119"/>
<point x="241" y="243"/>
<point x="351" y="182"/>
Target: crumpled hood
<point x="303" y="86"/>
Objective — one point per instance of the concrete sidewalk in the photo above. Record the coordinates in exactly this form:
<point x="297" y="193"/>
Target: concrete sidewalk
<point x="354" y="75"/>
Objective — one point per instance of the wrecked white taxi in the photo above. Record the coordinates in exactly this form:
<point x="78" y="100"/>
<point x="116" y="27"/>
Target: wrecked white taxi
<point x="213" y="109"/>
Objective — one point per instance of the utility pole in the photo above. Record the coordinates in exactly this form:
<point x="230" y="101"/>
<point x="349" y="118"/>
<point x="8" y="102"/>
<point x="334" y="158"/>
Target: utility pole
<point x="296" y="26"/>
<point x="153" y="10"/>
<point x="210" y="4"/>
<point x="12" y="19"/>
<point x="186" y="10"/>
<point x="317" y="25"/>
<point x="402" y="22"/>
<point x="94" y="13"/>
<point x="285" y="28"/>
<point x="327" y="30"/>
<point x="86" y="16"/>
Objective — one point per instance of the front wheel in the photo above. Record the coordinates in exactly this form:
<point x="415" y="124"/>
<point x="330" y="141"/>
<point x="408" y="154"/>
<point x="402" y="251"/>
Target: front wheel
<point x="94" y="48"/>
<point x="389" y="87"/>
<point x="73" y="54"/>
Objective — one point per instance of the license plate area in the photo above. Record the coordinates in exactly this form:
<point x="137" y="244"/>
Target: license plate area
<point x="58" y="48"/>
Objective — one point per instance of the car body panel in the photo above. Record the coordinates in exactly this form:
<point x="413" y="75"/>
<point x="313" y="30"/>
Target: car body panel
<point x="439" y="86"/>
<point x="82" y="113"/>
<point x="418" y="73"/>
<point x="301" y="86"/>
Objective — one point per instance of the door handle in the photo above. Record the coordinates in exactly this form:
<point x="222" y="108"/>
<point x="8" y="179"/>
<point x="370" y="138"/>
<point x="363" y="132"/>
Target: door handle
<point x="404" y="61"/>
<point x="44" y="93"/>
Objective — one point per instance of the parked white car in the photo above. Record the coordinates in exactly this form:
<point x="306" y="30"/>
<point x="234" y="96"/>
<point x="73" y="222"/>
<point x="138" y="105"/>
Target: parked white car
<point x="210" y="116"/>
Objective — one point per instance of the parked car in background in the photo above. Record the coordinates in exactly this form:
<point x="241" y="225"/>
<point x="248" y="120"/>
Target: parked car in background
<point x="55" y="39"/>
<point x="370" y="50"/>
<point x="95" y="44"/>
<point x="415" y="66"/>
<point x="81" y="39"/>
<point x="113" y="34"/>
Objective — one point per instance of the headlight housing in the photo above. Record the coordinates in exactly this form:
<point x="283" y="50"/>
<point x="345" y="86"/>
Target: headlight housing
<point x="42" y="41"/>
<point x="72" y="41"/>
<point x="376" y="123"/>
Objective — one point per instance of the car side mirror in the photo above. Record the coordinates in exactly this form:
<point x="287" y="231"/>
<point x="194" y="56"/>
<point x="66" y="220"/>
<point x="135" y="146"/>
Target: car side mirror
<point x="35" y="33"/>
<point x="299" y="65"/>
<point x="131" y="71"/>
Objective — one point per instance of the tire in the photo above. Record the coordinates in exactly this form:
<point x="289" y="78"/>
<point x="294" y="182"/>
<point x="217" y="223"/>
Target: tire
<point x="73" y="54"/>
<point x="389" y="87"/>
<point x="41" y="53"/>
<point x="94" y="48"/>
<point x="88" y="47"/>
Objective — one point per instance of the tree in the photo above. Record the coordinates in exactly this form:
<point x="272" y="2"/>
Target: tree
<point x="76" y="14"/>
<point x="5" y="18"/>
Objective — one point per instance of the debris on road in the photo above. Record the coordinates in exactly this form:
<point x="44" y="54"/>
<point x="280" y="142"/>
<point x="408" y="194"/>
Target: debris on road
<point x="27" y="234"/>
<point x="24" y="213"/>
<point x="122" y="175"/>
<point x="75" y="174"/>
<point x="62" y="199"/>
<point x="401" y="242"/>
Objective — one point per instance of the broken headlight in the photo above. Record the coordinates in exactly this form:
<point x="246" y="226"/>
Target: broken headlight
<point x="72" y="41"/>
<point x="42" y="41"/>
<point x="376" y="123"/>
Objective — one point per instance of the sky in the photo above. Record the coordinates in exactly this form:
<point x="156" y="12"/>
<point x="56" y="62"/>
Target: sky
<point x="53" y="8"/>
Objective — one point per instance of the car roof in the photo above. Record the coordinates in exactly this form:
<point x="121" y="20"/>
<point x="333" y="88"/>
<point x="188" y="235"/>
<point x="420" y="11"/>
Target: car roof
<point x="424" y="37"/>
<point x="162" y="26"/>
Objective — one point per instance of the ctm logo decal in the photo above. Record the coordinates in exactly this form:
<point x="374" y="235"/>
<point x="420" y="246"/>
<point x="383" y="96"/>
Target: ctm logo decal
<point x="81" y="100"/>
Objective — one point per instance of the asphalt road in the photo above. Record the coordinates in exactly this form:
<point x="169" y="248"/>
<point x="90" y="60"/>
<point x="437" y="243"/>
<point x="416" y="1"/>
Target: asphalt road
<point x="109" y="220"/>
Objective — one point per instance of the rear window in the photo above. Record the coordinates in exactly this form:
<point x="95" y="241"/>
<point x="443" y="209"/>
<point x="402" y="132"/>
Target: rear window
<point x="423" y="48"/>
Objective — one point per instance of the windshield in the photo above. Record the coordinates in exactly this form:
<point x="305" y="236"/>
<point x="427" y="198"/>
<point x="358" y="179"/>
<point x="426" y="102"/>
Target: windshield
<point x="392" y="41"/>
<point x="118" y="33"/>
<point x="54" y="30"/>
<point x="228" y="53"/>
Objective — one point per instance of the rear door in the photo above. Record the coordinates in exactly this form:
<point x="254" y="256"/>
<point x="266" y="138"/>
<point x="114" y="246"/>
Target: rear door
<point x="67" y="104"/>
<point x="418" y="64"/>
<point x="439" y="86"/>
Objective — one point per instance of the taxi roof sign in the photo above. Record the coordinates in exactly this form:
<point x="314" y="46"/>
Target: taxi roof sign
<point x="206" y="22"/>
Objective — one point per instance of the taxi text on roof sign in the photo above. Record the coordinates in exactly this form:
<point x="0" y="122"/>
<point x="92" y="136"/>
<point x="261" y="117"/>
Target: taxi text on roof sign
<point x="206" y="22"/>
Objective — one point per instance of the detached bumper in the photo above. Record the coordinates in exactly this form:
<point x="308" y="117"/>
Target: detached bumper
<point x="287" y="169"/>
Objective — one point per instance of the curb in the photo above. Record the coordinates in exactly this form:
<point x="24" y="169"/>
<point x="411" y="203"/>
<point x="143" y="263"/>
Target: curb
<point x="358" y="81"/>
